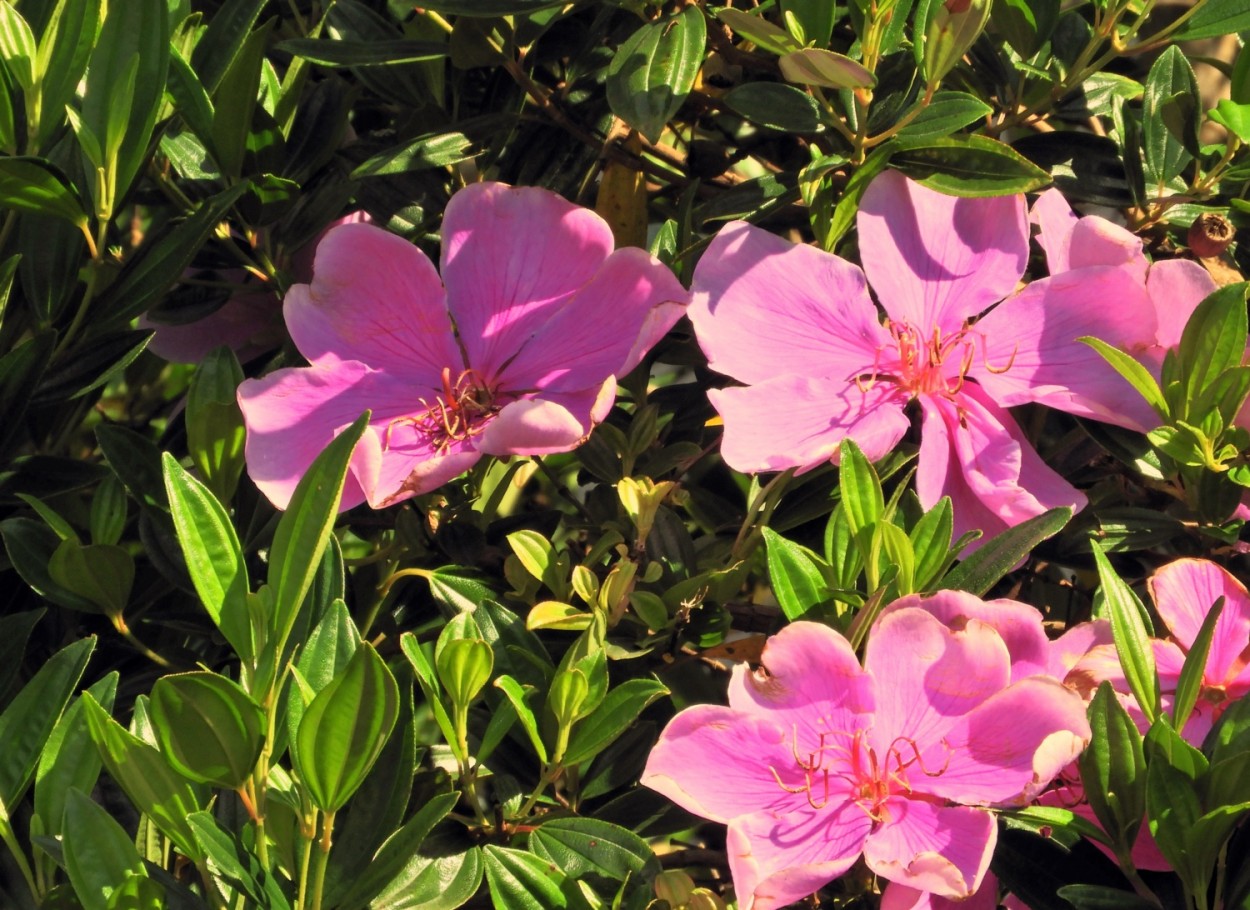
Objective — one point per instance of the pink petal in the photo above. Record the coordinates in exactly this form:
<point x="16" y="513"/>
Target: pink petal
<point x="945" y="850"/>
<point x="532" y="427"/>
<point x="778" y="859"/>
<point x="928" y="676"/>
<point x="512" y="256"/>
<point x="594" y="334"/>
<point x="741" y="747"/>
<point x="1184" y="592"/>
<point x="1031" y="352"/>
<point x="973" y="451"/>
<point x="1019" y="625"/>
<point x="1008" y="748"/>
<point x="1068" y="649"/>
<point x="1055" y="220"/>
<point x="799" y="422"/>
<point x="249" y="323"/>
<point x="811" y="684"/>
<point x="303" y="258"/>
<point x="936" y="260"/>
<point x="402" y="463"/>
<point x="375" y="298"/>
<point x="1096" y="241"/>
<point x="900" y="897"/>
<point x="1176" y="287"/>
<point x="764" y="307"/>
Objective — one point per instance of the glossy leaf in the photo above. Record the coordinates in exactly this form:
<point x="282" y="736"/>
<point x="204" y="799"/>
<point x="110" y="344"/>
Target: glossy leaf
<point x="1002" y="552"/>
<point x="776" y="106"/>
<point x="970" y="166"/>
<point x="947" y="113"/>
<point x="1169" y="116"/>
<point x="35" y="185"/>
<point x="99" y="854"/>
<point x="1113" y="768"/>
<point x="1131" y="628"/>
<point x="69" y="760"/>
<point x="614" y="715"/>
<point x="795" y="576"/>
<point x="209" y="729"/>
<point x="1214" y="18"/>
<point x="654" y="70"/>
<point x="522" y="881"/>
<point x="582" y="846"/>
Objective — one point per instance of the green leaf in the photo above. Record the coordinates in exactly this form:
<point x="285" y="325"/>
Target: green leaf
<point x="1214" y="19"/>
<point x="862" y="498"/>
<point x="32" y="716"/>
<point x="35" y="185"/>
<point x="947" y="113"/>
<point x="654" y="69"/>
<point x="223" y="40"/>
<point x="1214" y="340"/>
<point x="795" y="575"/>
<point x="969" y="166"/>
<point x="1132" y="370"/>
<point x="213" y="554"/>
<point x="303" y="533"/>
<point x="519" y="695"/>
<point x="234" y="102"/>
<point x="363" y="53"/>
<point x="215" y="431"/>
<point x="1169" y="116"/>
<point x="17" y="46"/>
<point x="1172" y="806"/>
<point x="1101" y="897"/>
<point x="1233" y="117"/>
<point x="815" y="66"/>
<point x="442" y="875"/>
<point x="1026" y="24"/>
<point x="521" y="881"/>
<point x="99" y="854"/>
<point x="1189" y="685"/>
<point x="432" y="150"/>
<point x="208" y="728"/>
<point x="90" y="365"/>
<point x="614" y="715"/>
<point x="100" y="573"/>
<point x="1130" y="626"/>
<point x="143" y="774"/>
<point x="776" y="106"/>
<point x="848" y="205"/>
<point x="488" y="8"/>
<point x="1113" y="768"/>
<point x="931" y="542"/>
<point x="69" y="760"/>
<point x="464" y="666"/>
<point x="344" y="730"/>
<point x="1000" y="554"/>
<point x="30" y="545"/>
<point x="588" y="846"/>
<point x="15" y="632"/>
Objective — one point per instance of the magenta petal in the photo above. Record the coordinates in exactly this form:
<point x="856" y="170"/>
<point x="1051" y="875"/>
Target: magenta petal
<point x="973" y="451"/>
<point x="742" y="748"/>
<point x="900" y="897"/>
<point x="928" y="676"/>
<point x="512" y="256"/>
<point x="249" y="323"/>
<point x="1176" y="287"/>
<point x="1097" y="241"/>
<point x="936" y="260"/>
<point x="799" y="422"/>
<point x="1031" y="352"/>
<point x="1184" y="592"/>
<point x="594" y="335"/>
<point x="764" y="307"/>
<point x="375" y="298"/>
<point x="1068" y="649"/>
<point x="1009" y="747"/>
<point x="1055" y="220"/>
<point x="532" y="427"/>
<point x="945" y="850"/>
<point x="404" y="464"/>
<point x="1018" y="624"/>
<point x="778" y="859"/>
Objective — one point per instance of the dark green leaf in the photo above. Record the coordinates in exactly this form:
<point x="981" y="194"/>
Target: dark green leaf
<point x="654" y="70"/>
<point x="618" y="710"/>
<point x="521" y="881"/>
<point x="776" y="106"/>
<point x="1000" y="554"/>
<point x="1214" y="19"/>
<point x="64" y="48"/>
<point x="1130" y="626"/>
<point x="1113" y="768"/>
<point x="1026" y="24"/>
<point x="363" y="53"/>
<point x="1170" y="116"/>
<point x="208" y="728"/>
<point x="35" y="185"/>
<point x="1189" y="685"/>
<point x="99" y="854"/>
<point x="70" y="761"/>
<point x="1214" y="340"/>
<point x="582" y="846"/>
<point x="442" y="874"/>
<point x="795" y="576"/>
<point x="90" y="365"/>
<point x="971" y="166"/>
<point x="947" y="113"/>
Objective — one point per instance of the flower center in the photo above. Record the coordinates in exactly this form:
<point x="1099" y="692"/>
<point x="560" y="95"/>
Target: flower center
<point x="460" y="411"/>
<point x="928" y="364"/>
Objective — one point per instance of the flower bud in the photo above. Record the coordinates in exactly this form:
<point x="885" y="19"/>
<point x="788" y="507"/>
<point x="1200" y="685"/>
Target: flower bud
<point x="955" y="25"/>
<point x="674" y="886"/>
<point x="1210" y="235"/>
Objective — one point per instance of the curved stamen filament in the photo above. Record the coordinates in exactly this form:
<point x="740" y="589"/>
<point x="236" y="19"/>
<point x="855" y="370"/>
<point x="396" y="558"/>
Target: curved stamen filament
<point x="459" y="412"/>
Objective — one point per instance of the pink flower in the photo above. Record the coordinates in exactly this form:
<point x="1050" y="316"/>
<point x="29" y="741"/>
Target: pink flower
<point x="513" y="352"/>
<point x="816" y="760"/>
<point x="249" y="322"/>
<point x="1184" y="592"/>
<point x="797" y="325"/>
<point x="1174" y="288"/>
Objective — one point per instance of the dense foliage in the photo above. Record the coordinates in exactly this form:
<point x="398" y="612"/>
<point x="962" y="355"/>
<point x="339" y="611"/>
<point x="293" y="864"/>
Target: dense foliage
<point x="388" y="604"/>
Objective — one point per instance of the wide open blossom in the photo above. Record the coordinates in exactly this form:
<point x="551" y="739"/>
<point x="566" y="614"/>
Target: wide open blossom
<point x="513" y="352"/>
<point x="1184" y="592"/>
<point x="797" y="325"/>
<point x="1174" y="287"/>
<point x="249" y="322"/>
<point x="817" y="760"/>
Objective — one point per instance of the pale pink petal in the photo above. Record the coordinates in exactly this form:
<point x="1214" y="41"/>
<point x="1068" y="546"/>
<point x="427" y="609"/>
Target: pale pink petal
<point x="532" y="427"/>
<point x="1055" y="220"/>
<point x="1008" y="748"/>
<point x="928" y="676"/>
<point x="1019" y="625"/>
<point x="1030" y="351"/>
<point x="741" y="747"/>
<point x="779" y="859"/>
<point x="1184" y="592"/>
<point x="249" y="323"/>
<point x="944" y="850"/>
<point x="764" y="307"/>
<point x="1075" y="643"/>
<point x="1099" y="664"/>
<point x="512" y="256"/>
<point x="593" y="335"/>
<point x="1096" y="241"/>
<point x="810" y="683"/>
<point x="900" y="897"/>
<point x="659" y="320"/>
<point x="936" y="260"/>
<point x="973" y="451"/>
<point x="375" y="298"/>
<point x="799" y="422"/>
<point x="403" y="463"/>
<point x="293" y="414"/>
<point x="1176" y="287"/>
